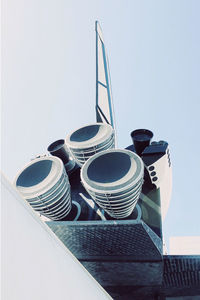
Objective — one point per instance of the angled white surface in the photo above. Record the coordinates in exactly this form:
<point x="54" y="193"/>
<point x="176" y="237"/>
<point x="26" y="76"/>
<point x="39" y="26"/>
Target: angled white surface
<point x="35" y="264"/>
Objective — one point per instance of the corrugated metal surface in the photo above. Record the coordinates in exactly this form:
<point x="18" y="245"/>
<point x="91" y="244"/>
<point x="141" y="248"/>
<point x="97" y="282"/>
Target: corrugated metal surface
<point x="181" y="271"/>
<point x="124" y="257"/>
<point x="122" y="274"/>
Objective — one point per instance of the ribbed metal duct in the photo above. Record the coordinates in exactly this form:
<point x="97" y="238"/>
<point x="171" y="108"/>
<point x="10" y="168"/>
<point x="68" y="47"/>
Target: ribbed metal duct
<point x="89" y="140"/>
<point x="45" y="185"/>
<point x="114" y="179"/>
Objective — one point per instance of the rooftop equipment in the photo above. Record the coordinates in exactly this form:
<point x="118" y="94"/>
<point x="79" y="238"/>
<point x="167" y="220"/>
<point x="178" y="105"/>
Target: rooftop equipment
<point x="45" y="185"/>
<point x="114" y="179"/>
<point x="125" y="256"/>
<point x="89" y="140"/>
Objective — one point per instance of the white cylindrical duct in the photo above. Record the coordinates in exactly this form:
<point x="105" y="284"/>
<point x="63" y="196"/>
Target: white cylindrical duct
<point x="45" y="185"/>
<point x="114" y="179"/>
<point x="89" y="140"/>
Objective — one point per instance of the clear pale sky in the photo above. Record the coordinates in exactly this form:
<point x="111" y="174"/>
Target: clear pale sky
<point x="48" y="80"/>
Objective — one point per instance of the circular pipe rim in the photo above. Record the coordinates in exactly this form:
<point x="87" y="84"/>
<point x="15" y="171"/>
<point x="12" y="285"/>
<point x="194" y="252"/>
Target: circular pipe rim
<point x="132" y="181"/>
<point x="86" y="144"/>
<point x="42" y="187"/>
<point x="147" y="132"/>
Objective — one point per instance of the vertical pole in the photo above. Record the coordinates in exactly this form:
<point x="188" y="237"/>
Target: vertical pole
<point x="96" y="24"/>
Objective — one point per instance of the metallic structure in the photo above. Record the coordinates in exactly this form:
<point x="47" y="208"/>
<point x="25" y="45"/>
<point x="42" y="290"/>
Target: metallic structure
<point x="104" y="104"/>
<point x="126" y="256"/>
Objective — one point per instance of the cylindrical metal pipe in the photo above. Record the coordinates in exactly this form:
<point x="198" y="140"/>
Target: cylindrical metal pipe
<point x="89" y="140"/>
<point x="109" y="176"/>
<point x="45" y="185"/>
<point x="59" y="149"/>
<point x="141" y="139"/>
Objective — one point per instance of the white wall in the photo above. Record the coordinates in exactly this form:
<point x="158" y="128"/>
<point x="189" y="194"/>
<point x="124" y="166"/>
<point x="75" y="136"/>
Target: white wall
<point x="35" y="264"/>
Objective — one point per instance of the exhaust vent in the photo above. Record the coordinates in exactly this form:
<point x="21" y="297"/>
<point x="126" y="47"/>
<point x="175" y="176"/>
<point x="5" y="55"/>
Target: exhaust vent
<point x="141" y="139"/>
<point x="89" y="140"/>
<point x="45" y="185"/>
<point x="114" y="179"/>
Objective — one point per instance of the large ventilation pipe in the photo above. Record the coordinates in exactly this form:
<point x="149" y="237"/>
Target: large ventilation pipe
<point x="45" y="185"/>
<point x="114" y="179"/>
<point x="89" y="140"/>
<point x="141" y="139"/>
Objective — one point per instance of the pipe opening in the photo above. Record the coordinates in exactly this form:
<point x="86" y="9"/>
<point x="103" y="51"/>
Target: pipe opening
<point x="109" y="167"/>
<point x="56" y="145"/>
<point x="85" y="133"/>
<point x="34" y="174"/>
<point x="141" y="139"/>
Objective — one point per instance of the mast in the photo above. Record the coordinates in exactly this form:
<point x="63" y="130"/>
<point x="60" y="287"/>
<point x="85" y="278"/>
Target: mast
<point x="104" y="103"/>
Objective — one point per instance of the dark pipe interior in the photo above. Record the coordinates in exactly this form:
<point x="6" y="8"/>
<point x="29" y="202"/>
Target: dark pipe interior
<point x="142" y="134"/>
<point x="59" y="149"/>
<point x="109" y="167"/>
<point x="56" y="145"/>
<point x="34" y="174"/>
<point x="141" y="139"/>
<point x="85" y="133"/>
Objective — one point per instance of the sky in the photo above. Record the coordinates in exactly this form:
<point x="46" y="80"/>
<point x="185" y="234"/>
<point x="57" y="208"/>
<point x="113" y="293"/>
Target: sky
<point x="48" y="82"/>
